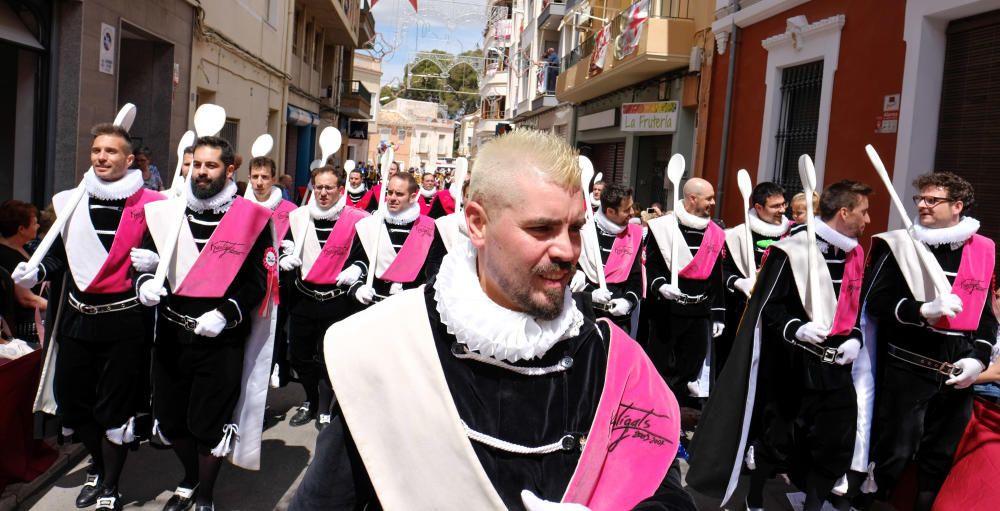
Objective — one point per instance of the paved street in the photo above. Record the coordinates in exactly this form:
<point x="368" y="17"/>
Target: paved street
<point x="151" y="475"/>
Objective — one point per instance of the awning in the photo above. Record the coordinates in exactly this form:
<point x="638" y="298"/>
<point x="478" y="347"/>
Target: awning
<point x="300" y="117"/>
<point x="12" y="29"/>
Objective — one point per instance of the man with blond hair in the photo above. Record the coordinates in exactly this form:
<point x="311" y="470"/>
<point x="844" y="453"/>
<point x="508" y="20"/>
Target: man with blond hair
<point x="490" y="402"/>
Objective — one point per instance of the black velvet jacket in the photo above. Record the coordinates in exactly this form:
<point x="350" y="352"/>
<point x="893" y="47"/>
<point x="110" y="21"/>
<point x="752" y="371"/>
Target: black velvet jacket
<point x="527" y="410"/>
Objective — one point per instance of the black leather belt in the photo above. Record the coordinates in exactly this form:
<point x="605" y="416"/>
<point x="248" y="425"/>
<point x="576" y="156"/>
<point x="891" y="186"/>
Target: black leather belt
<point x="320" y="296"/>
<point x="103" y="308"/>
<point x="943" y="368"/>
<point x="690" y="300"/>
<point x="184" y="321"/>
<point x="826" y="355"/>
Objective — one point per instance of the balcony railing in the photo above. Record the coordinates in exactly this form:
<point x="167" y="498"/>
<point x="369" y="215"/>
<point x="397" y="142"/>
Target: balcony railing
<point x="667" y="9"/>
<point x="358" y="88"/>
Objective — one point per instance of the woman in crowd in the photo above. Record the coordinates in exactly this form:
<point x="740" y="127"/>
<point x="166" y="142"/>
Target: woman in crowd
<point x="18" y="226"/>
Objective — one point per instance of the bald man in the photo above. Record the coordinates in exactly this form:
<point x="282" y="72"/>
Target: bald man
<point x="687" y="316"/>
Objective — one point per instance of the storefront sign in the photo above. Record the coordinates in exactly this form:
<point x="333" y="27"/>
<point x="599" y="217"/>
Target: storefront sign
<point x="656" y="117"/>
<point x="602" y="119"/>
<point x="107" y="53"/>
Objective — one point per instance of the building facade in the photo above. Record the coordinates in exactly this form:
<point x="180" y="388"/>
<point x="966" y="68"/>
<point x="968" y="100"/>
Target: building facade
<point x="420" y="130"/>
<point x="368" y="72"/>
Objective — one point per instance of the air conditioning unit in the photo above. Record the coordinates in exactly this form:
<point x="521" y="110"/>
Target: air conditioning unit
<point x="326" y="92"/>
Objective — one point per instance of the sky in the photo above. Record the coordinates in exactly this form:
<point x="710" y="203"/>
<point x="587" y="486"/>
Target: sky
<point x="450" y="25"/>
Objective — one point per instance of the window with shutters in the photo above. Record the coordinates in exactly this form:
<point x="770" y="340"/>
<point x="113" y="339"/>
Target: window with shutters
<point x="609" y="159"/>
<point x="968" y="129"/>
<point x="797" y="121"/>
<point x="231" y="132"/>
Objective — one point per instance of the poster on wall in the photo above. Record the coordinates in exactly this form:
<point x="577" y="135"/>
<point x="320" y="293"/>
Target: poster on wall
<point x="654" y="117"/>
<point x="107" y="54"/>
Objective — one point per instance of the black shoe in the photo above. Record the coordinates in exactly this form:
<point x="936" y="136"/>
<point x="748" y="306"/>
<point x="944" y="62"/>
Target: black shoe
<point x="302" y="417"/>
<point x="88" y="494"/>
<point x="181" y="500"/>
<point x="109" y="500"/>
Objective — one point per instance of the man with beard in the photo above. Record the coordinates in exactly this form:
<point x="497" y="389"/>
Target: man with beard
<point x="685" y="317"/>
<point x="400" y="261"/>
<point x="768" y="224"/>
<point x="619" y="244"/>
<point x="330" y="265"/>
<point x="503" y="391"/>
<point x="931" y="346"/>
<point x="223" y="265"/>
<point x="100" y="349"/>
<point x="356" y="191"/>
<point x="262" y="190"/>
<point x="786" y="399"/>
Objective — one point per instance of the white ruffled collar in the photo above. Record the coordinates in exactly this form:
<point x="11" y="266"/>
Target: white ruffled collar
<point x="831" y="236"/>
<point x="605" y="224"/>
<point x="954" y="236"/>
<point x="331" y="213"/>
<point x="487" y="328"/>
<point x="596" y="204"/>
<point x="427" y="194"/>
<point x="355" y="191"/>
<point x="404" y="217"/>
<point x="218" y="203"/>
<point x="123" y="188"/>
<point x="688" y="220"/>
<point x="272" y="201"/>
<point x="765" y="229"/>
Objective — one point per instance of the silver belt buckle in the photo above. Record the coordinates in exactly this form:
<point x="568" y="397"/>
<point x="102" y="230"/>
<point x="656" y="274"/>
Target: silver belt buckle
<point x="949" y="369"/>
<point x="87" y="309"/>
<point x="829" y="355"/>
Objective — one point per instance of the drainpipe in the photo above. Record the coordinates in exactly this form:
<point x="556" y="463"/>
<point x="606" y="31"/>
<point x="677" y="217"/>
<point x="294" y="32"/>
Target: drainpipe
<point x="727" y="121"/>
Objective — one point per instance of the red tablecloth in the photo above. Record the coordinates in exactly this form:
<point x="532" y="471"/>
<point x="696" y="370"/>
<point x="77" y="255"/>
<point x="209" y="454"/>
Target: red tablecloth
<point x="23" y="458"/>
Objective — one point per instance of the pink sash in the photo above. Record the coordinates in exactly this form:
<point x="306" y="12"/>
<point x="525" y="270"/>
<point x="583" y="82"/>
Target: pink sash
<point x="849" y="300"/>
<point x="701" y="265"/>
<point x="634" y="436"/>
<point x="280" y="218"/>
<point x="425" y="206"/>
<point x="446" y="200"/>
<point x="972" y="284"/>
<point x="362" y="202"/>
<point x="217" y="264"/>
<point x="623" y="253"/>
<point x="410" y="259"/>
<point x="113" y="277"/>
<point x="331" y="259"/>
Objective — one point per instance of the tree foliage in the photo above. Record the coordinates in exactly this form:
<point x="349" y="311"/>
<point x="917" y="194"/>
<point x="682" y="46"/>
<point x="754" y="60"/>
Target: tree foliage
<point x="427" y="76"/>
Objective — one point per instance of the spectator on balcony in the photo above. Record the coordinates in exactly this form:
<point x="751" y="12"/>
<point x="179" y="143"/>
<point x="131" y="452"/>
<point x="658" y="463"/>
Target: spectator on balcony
<point x="551" y="63"/>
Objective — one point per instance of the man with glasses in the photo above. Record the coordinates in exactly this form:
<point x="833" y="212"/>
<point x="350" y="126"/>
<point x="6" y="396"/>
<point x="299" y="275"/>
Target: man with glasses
<point x="768" y="224"/>
<point x="400" y="250"/>
<point x="329" y="266"/>
<point x="935" y="344"/>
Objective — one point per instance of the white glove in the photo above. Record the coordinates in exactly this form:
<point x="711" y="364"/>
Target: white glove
<point x="210" y="324"/>
<point x="365" y="295"/>
<point x="619" y="307"/>
<point x="601" y="296"/>
<point x="812" y="333"/>
<point x="23" y="276"/>
<point x="289" y="262"/>
<point x="287" y="247"/>
<point x="944" y="305"/>
<point x="349" y="275"/>
<point x="670" y="292"/>
<point x="533" y="503"/>
<point x="717" y="328"/>
<point x="395" y="288"/>
<point x="970" y="371"/>
<point x="847" y="352"/>
<point x="144" y="260"/>
<point x="579" y="282"/>
<point x="150" y="293"/>
<point x="744" y="285"/>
